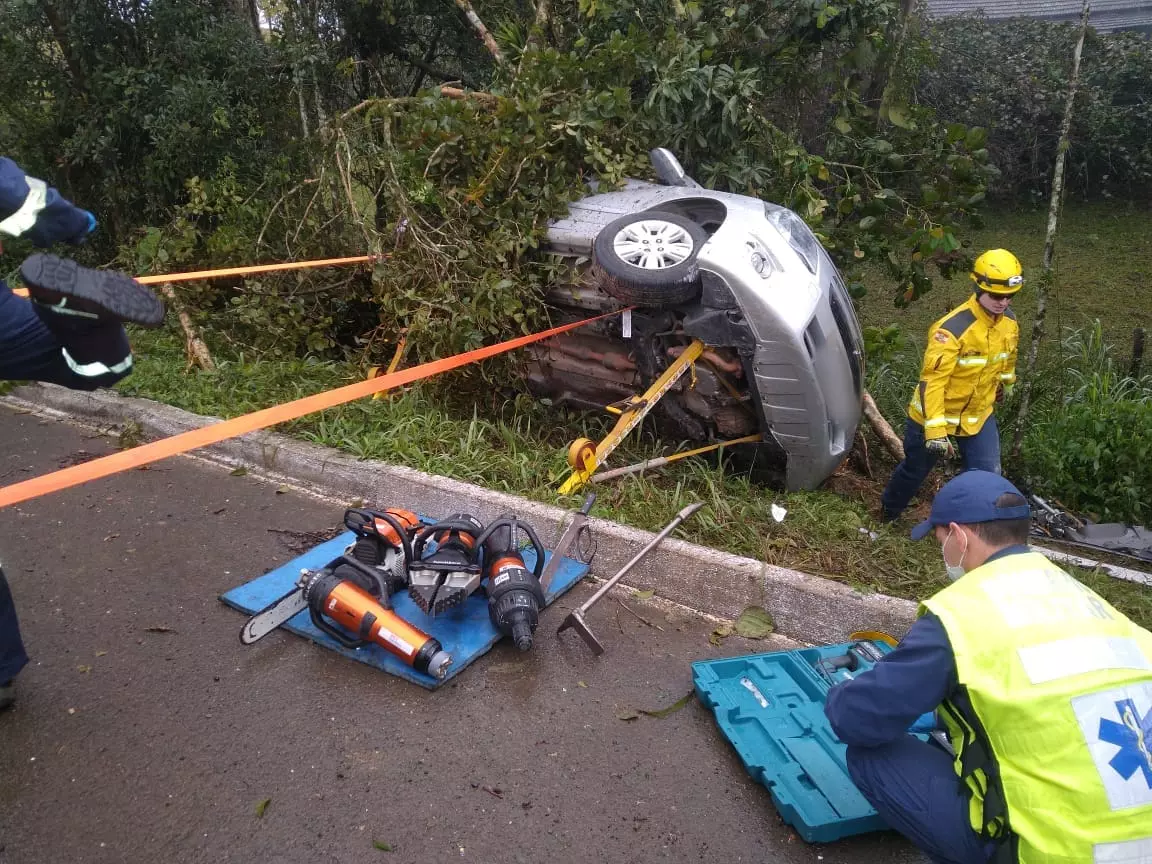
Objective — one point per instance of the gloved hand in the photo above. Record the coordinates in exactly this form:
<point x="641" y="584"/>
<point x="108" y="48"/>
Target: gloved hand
<point x="89" y="228"/>
<point x="940" y="447"/>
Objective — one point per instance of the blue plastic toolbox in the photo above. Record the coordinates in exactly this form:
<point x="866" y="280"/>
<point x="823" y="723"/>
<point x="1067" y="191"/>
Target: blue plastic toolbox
<point x="771" y="708"/>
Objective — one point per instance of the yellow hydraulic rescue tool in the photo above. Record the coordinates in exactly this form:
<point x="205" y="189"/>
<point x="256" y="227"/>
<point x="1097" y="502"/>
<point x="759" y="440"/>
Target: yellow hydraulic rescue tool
<point x="585" y="455"/>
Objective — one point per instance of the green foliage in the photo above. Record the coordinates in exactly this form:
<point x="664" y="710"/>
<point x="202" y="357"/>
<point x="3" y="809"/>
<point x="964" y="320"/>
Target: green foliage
<point x="1011" y="76"/>
<point x="120" y="105"/>
<point x="1097" y="459"/>
<point x="1091" y="448"/>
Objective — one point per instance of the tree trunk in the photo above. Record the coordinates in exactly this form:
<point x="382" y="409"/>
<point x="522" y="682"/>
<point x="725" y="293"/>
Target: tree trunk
<point x="881" y="86"/>
<point x="1046" y="278"/>
<point x="56" y="22"/>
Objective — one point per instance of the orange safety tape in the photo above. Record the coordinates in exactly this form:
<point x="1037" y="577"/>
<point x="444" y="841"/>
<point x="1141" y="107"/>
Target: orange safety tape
<point x="195" y="438"/>
<point x="242" y="271"/>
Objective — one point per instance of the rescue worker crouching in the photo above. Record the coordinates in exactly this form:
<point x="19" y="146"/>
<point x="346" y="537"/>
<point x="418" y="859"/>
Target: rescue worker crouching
<point x="1044" y="689"/>
<point x="970" y="360"/>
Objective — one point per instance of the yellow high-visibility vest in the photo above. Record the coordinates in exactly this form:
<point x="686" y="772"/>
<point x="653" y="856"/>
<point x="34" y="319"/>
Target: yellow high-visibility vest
<point x="1052" y="718"/>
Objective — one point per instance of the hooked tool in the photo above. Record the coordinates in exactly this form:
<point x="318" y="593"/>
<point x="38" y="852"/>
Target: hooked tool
<point x="575" y="619"/>
<point x="355" y="596"/>
<point x="448" y="574"/>
<point x="576" y="531"/>
<point x="515" y="595"/>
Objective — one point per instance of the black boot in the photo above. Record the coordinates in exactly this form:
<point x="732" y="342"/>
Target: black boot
<point x="70" y="291"/>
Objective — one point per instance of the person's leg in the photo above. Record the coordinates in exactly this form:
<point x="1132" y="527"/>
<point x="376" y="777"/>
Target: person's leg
<point x="914" y="788"/>
<point x="981" y="452"/>
<point x="38" y="344"/>
<point x="12" y="654"/>
<point x="910" y="473"/>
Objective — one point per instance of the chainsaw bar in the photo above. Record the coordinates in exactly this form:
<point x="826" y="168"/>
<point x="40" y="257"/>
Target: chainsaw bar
<point x="272" y="616"/>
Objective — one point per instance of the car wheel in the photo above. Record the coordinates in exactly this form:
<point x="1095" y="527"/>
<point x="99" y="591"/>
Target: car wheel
<point x="649" y="259"/>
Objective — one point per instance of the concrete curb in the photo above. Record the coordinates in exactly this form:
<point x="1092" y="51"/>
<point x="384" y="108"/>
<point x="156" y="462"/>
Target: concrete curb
<point x="806" y="608"/>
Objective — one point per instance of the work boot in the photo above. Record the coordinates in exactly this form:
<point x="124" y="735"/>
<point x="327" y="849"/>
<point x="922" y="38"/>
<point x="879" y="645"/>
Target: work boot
<point x="7" y="694"/>
<point x="64" y="287"/>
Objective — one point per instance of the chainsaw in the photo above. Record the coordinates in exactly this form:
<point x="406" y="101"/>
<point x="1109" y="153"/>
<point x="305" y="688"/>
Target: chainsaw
<point x="347" y="596"/>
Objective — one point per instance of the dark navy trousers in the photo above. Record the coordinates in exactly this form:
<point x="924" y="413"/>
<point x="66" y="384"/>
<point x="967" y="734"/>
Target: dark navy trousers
<point x="979" y="452"/>
<point x="41" y="346"/>
<point x="914" y="788"/>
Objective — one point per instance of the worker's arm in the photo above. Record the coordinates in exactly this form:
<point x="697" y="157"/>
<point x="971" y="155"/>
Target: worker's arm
<point x="939" y="361"/>
<point x="879" y="705"/>
<point x="33" y="209"/>
<point x="1008" y="373"/>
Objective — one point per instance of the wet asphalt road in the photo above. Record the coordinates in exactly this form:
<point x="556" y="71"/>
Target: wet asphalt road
<point x="146" y="732"/>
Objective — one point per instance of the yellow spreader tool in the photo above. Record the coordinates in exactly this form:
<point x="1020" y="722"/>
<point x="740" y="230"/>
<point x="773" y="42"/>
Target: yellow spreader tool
<point x="585" y="456"/>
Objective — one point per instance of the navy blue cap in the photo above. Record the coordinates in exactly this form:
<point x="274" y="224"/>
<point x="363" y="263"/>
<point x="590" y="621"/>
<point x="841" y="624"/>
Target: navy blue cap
<point x="969" y="498"/>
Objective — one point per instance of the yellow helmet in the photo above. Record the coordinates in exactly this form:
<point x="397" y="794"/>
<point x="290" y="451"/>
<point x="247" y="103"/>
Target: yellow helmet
<point x="998" y="271"/>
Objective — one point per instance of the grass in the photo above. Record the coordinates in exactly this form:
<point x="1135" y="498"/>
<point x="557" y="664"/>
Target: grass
<point x="512" y="443"/>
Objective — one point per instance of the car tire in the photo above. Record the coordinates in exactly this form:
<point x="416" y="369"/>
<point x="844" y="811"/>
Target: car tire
<point x="649" y="258"/>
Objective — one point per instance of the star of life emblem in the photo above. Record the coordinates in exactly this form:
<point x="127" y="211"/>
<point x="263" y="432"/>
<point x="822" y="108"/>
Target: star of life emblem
<point x="1117" y="726"/>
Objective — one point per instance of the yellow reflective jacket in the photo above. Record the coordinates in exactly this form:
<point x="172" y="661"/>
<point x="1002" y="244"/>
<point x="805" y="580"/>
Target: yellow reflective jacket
<point x="1051" y="718"/>
<point x="970" y="354"/>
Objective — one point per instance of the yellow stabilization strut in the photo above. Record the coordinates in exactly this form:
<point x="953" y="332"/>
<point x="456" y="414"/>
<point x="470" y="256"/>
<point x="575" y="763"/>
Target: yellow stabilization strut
<point x="585" y="456"/>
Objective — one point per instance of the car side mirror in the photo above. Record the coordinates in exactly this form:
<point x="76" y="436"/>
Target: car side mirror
<point x="669" y="170"/>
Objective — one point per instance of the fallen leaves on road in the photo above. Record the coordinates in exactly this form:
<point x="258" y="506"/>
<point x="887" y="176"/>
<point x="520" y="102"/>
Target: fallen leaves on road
<point x="159" y="630"/>
<point x="643" y="595"/>
<point x="261" y="806"/>
<point x="755" y="623"/>
<point x="238" y="472"/>
<point x="83" y="669"/>
<point x="381" y="845"/>
<point x="659" y="713"/>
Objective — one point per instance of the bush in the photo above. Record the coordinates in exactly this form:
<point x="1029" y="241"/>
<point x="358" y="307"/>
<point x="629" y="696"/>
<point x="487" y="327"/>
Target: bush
<point x="1011" y="76"/>
<point x="1089" y="444"/>
<point x="1096" y="459"/>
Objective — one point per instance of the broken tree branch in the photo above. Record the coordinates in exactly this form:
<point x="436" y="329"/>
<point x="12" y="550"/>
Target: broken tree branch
<point x="888" y="438"/>
<point x="481" y="30"/>
<point x="1047" y="277"/>
<point x="457" y="93"/>
<point x="198" y="354"/>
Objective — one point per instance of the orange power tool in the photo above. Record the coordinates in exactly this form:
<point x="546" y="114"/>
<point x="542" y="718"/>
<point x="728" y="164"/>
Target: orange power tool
<point x="346" y="597"/>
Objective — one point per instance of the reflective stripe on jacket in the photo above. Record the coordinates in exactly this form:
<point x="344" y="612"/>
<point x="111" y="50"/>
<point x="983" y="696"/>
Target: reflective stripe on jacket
<point x="1051" y="715"/>
<point x="970" y="354"/>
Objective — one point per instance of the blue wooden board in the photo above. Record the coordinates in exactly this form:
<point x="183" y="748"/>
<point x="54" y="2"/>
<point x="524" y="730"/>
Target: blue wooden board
<point x="464" y="632"/>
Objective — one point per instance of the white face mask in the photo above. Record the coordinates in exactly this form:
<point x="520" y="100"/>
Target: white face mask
<point x="955" y="571"/>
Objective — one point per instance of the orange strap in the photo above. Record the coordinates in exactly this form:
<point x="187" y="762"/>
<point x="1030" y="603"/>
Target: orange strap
<point x="258" y="268"/>
<point x="195" y="438"/>
<point x="242" y="271"/>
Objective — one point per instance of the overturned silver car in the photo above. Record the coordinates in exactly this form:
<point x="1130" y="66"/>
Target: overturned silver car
<point x="750" y="280"/>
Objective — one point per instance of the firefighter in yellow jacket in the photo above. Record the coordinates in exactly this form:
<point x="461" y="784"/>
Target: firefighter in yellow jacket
<point x="969" y="363"/>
